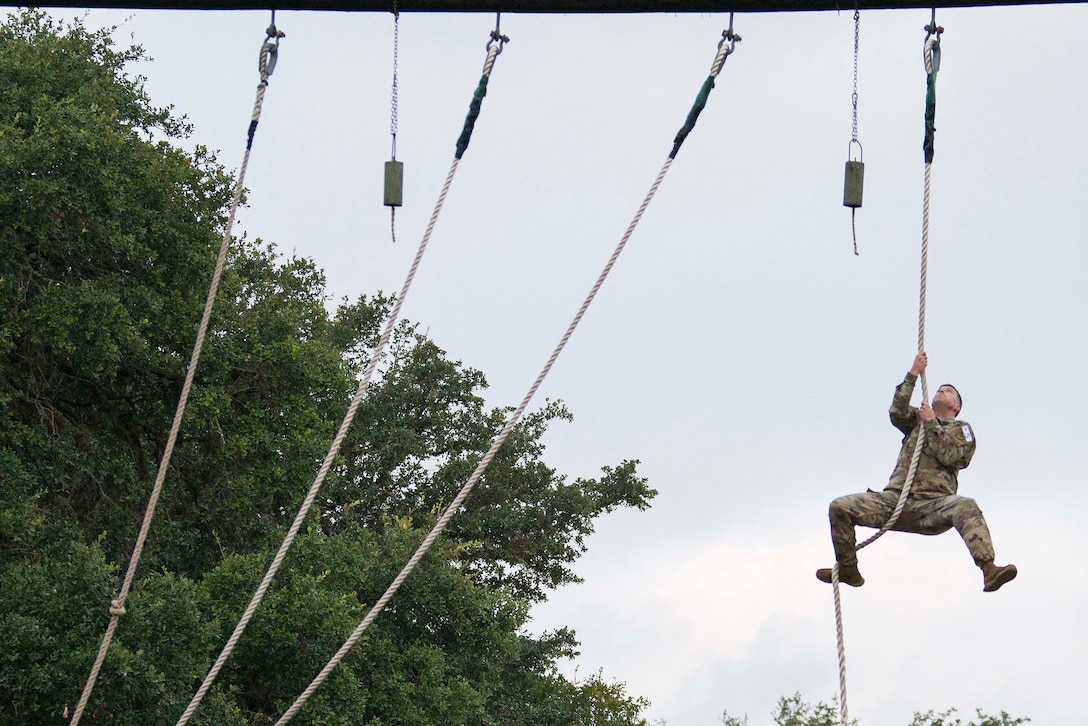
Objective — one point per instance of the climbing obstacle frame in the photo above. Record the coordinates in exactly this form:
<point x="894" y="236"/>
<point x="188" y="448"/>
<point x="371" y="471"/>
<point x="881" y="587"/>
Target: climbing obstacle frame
<point x="495" y="45"/>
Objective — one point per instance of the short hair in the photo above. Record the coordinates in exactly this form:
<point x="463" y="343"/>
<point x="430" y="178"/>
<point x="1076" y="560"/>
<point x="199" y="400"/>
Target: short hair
<point x="958" y="396"/>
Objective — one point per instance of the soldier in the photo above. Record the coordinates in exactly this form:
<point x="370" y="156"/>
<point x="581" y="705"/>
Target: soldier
<point x="932" y="506"/>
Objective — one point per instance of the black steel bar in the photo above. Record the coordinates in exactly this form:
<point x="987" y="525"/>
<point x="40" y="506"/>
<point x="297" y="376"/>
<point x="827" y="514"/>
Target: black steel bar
<point x="534" y="6"/>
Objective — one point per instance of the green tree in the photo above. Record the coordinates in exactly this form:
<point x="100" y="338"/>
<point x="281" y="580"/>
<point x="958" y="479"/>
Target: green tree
<point x="944" y="718"/>
<point x="108" y="234"/>
<point x="795" y="711"/>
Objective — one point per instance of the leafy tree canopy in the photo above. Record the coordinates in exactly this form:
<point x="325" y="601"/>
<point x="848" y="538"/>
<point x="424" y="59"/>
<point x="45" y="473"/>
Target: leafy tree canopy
<point x="795" y="711"/>
<point x="108" y="234"/>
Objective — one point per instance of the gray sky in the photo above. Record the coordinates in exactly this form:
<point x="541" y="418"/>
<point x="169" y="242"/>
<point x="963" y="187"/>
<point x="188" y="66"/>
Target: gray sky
<point x="739" y="349"/>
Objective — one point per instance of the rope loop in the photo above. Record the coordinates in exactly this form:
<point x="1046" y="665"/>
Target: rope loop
<point x="117" y="608"/>
<point x="726" y="46"/>
<point x="267" y="62"/>
<point x="270" y="49"/>
<point x="932" y="54"/>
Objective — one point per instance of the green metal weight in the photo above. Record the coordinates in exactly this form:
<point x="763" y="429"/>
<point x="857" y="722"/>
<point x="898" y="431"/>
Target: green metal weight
<point x="853" y="184"/>
<point x="394" y="183"/>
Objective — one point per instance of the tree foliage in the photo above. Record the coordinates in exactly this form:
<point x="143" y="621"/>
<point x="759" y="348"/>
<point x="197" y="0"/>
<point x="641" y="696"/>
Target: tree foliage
<point x="108" y="234"/>
<point x="945" y="718"/>
<point x="795" y="711"/>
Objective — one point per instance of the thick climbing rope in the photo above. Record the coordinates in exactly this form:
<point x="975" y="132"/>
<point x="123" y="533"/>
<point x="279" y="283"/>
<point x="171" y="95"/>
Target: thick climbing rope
<point x="725" y="47"/>
<point x="932" y="56"/>
<point x="266" y="64"/>
<point x="494" y="47"/>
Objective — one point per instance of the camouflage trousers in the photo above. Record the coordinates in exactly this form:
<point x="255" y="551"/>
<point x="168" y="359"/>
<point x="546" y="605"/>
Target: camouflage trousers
<point x="921" y="516"/>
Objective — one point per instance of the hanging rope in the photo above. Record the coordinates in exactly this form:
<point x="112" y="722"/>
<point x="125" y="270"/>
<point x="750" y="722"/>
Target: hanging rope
<point x="932" y="56"/>
<point x="854" y="117"/>
<point x="266" y="64"/>
<point x="393" y="103"/>
<point x="494" y="47"/>
<point x="725" y="47"/>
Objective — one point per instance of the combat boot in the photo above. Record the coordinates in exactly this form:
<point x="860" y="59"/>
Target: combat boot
<point x="994" y="576"/>
<point x="848" y="575"/>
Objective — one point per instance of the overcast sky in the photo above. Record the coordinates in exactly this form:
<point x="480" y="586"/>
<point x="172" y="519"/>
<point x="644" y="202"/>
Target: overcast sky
<point x="739" y="350"/>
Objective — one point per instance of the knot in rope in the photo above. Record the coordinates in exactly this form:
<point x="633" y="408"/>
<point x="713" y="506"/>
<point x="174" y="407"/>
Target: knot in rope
<point x="117" y="607"/>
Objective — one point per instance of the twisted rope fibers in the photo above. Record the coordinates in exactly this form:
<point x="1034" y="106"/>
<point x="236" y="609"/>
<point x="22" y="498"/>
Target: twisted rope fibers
<point x="117" y="606"/>
<point x="931" y="73"/>
<point x="466" y="489"/>
<point x="334" y="448"/>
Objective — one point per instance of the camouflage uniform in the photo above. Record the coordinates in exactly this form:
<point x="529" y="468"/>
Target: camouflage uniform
<point x="932" y="506"/>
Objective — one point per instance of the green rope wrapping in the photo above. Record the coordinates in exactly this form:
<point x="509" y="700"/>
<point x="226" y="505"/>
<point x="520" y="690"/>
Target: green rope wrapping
<point x="931" y="113"/>
<point x="725" y="47"/>
<point x="693" y="116"/>
<point x="933" y="59"/>
<point x="473" y="114"/>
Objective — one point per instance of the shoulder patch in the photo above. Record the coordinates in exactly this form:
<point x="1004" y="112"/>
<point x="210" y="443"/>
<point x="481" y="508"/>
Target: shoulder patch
<point x="968" y="434"/>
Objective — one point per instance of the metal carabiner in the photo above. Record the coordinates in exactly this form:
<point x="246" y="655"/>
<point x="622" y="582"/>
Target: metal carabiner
<point x="729" y="36"/>
<point x="933" y="28"/>
<point x="500" y="40"/>
<point x="270" y="49"/>
<point x="497" y="37"/>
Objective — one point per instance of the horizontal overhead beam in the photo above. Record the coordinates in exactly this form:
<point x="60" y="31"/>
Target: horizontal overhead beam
<point x="534" y="6"/>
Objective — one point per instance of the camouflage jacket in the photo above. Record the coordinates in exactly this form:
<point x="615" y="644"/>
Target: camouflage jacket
<point x="948" y="447"/>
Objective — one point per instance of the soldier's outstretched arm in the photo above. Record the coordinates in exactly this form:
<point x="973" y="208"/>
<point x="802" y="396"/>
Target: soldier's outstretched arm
<point x="903" y="416"/>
